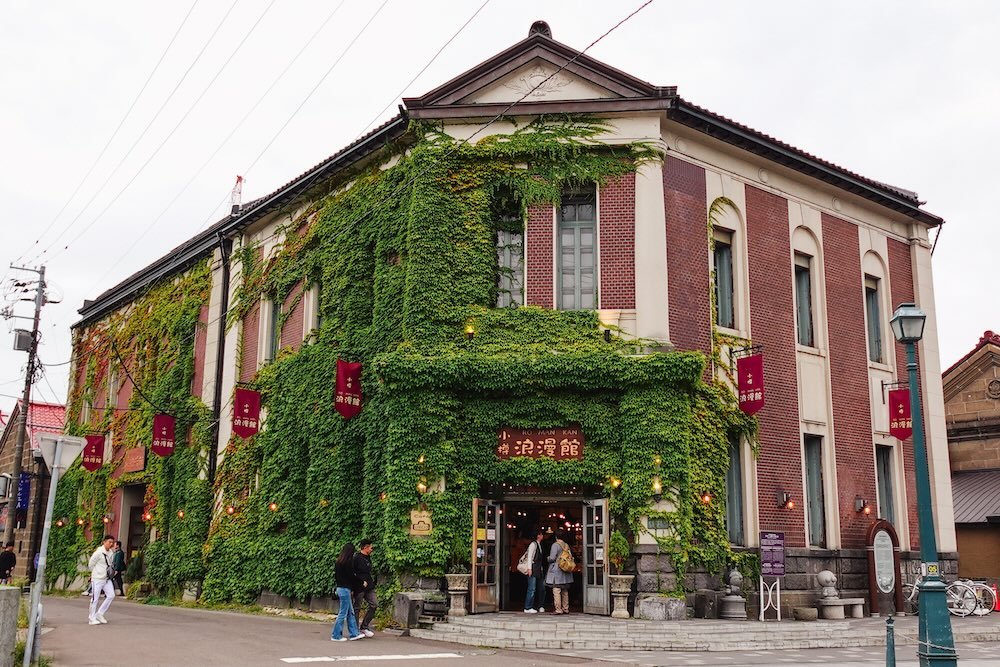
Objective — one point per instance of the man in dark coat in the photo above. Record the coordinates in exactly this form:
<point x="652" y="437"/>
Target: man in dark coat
<point x="366" y="586"/>
<point x="8" y="559"/>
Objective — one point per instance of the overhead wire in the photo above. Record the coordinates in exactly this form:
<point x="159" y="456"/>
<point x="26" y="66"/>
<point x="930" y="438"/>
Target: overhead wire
<point x="117" y="129"/>
<point x="145" y="130"/>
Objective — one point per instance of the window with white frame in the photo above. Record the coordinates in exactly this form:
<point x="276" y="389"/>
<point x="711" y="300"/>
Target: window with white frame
<point x="577" y="254"/>
<point x="873" y="313"/>
<point x="804" y="300"/>
<point x="273" y="339"/>
<point x="722" y="265"/>
<point x="815" y="496"/>
<point x="886" y="487"/>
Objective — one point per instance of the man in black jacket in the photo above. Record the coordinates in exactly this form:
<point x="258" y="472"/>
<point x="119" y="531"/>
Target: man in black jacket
<point x="366" y="586"/>
<point x="8" y="559"/>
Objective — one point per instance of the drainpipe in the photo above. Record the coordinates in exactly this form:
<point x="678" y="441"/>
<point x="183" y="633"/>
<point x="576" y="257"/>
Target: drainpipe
<point x="225" y="248"/>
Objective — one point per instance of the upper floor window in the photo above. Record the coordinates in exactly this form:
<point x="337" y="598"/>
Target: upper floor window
<point x="273" y="331"/>
<point x="803" y="300"/>
<point x="577" y="251"/>
<point x="510" y="268"/>
<point x="873" y="312"/>
<point x="722" y="256"/>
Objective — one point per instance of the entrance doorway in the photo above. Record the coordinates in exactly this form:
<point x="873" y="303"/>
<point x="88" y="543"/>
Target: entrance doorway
<point x="502" y="531"/>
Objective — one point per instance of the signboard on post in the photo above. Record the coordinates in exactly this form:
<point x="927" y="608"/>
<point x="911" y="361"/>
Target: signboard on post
<point x="750" y="382"/>
<point x="560" y="444"/>
<point x="246" y="412"/>
<point x="93" y="453"/>
<point x="163" y="435"/>
<point x="885" y="570"/>
<point x="900" y="422"/>
<point x="772" y="554"/>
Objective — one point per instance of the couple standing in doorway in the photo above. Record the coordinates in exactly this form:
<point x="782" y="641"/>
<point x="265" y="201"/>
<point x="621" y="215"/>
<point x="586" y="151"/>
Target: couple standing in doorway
<point x="553" y="569"/>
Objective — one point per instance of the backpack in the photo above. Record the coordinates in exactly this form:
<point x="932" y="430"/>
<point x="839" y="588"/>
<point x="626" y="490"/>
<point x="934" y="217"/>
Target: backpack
<point x="112" y="572"/>
<point x="524" y="564"/>
<point x="565" y="560"/>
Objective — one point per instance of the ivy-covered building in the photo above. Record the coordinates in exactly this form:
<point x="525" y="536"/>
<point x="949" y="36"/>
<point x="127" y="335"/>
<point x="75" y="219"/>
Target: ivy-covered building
<point x="545" y="268"/>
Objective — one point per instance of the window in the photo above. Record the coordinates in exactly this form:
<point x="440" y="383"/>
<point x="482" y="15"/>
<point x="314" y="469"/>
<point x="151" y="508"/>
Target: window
<point x="874" y="314"/>
<point x="510" y="265"/>
<point x="577" y="251"/>
<point x="658" y="526"/>
<point x="734" y="492"/>
<point x="803" y="300"/>
<point x="815" y="504"/>
<point x="883" y="469"/>
<point x="722" y="257"/>
<point x="274" y="332"/>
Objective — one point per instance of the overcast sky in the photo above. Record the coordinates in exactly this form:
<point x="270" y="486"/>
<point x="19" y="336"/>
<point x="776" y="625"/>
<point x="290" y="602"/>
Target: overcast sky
<point x="903" y="92"/>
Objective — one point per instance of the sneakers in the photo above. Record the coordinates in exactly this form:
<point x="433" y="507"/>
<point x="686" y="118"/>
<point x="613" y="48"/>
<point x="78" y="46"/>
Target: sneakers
<point x="337" y="639"/>
<point x="530" y="611"/>
<point x="541" y="610"/>
<point x="367" y="633"/>
<point x="94" y="621"/>
<point x="356" y="637"/>
<point x="100" y="618"/>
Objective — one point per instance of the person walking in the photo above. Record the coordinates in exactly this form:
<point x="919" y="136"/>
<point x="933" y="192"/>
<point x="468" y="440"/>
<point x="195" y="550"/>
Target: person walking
<point x="346" y="584"/>
<point x="559" y="579"/>
<point x="533" y="599"/>
<point x="119" y="565"/>
<point x="8" y="559"/>
<point x="366" y="582"/>
<point x="101" y="561"/>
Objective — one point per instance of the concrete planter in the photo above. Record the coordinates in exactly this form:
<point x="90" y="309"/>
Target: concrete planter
<point x="621" y="588"/>
<point x="458" y="591"/>
<point x="660" y="608"/>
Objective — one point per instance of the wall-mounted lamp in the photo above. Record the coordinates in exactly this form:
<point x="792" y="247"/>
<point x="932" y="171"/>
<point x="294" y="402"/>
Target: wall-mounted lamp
<point x="79" y="521"/>
<point x="180" y="514"/>
<point x="785" y="501"/>
<point x="421" y="459"/>
<point x="382" y="497"/>
<point x="607" y="335"/>
<point x="108" y="518"/>
<point x="862" y="506"/>
<point x="422" y="485"/>
<point x="470" y="332"/>
<point x="60" y="523"/>
<point x="273" y="506"/>
<point x="657" y="489"/>
<point x="230" y="510"/>
<point x="706" y="498"/>
<point x="614" y="482"/>
<point x="146" y="516"/>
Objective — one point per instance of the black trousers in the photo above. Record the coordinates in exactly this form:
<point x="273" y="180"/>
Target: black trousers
<point x="366" y="595"/>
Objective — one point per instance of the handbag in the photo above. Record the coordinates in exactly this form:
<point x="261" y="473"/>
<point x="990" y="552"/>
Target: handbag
<point x="524" y="564"/>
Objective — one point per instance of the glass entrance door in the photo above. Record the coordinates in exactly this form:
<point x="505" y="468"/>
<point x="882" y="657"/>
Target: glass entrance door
<point x="596" y="598"/>
<point x="485" y="555"/>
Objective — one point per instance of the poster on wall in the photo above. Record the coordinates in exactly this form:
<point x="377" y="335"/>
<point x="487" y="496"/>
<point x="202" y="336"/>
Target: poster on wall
<point x="163" y="435"/>
<point x="347" y="396"/>
<point x="750" y="382"/>
<point x="900" y="422"/>
<point x="246" y="412"/>
<point x="93" y="453"/>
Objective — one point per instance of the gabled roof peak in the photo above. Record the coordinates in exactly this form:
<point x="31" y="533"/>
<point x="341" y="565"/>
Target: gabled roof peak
<point x="540" y="28"/>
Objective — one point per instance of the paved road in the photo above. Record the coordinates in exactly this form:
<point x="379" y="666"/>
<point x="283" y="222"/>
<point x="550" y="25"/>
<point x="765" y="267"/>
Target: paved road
<point x="148" y="636"/>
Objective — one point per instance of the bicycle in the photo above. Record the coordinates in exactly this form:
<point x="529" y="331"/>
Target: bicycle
<point x="960" y="597"/>
<point x="986" y="598"/>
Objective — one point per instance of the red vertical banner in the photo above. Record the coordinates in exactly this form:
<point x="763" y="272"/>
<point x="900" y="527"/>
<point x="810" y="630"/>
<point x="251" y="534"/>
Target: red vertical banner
<point x="93" y="453"/>
<point x="750" y="382"/>
<point x="347" y="397"/>
<point x="163" y="435"/>
<point x="246" y="413"/>
<point x="900" y="422"/>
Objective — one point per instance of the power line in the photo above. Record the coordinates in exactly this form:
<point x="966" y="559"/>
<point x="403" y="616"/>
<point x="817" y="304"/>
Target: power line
<point x="114" y="171"/>
<point x="114" y="134"/>
<point x="223" y="144"/>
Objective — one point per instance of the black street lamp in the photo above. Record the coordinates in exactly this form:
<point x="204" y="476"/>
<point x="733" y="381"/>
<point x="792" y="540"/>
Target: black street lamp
<point x="936" y="644"/>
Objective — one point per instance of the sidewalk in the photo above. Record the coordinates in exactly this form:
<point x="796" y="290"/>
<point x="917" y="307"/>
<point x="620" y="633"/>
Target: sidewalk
<point x="581" y="632"/>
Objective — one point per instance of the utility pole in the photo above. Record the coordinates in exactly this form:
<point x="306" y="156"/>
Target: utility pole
<point x="22" y="418"/>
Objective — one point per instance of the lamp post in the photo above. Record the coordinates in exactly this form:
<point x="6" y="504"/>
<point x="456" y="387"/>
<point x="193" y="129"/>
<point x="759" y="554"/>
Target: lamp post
<point x="59" y="452"/>
<point x="936" y="642"/>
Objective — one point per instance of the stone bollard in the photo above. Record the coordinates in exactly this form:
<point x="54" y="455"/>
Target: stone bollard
<point x="10" y="602"/>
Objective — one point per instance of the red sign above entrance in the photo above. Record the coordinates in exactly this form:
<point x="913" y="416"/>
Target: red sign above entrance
<point x="560" y="444"/>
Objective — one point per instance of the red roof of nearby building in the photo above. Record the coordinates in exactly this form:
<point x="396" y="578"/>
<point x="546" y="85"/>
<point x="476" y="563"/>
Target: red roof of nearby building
<point x="42" y="418"/>
<point x="988" y="338"/>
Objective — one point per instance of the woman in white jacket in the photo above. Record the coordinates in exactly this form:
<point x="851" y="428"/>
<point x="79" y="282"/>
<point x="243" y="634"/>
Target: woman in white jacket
<point x="100" y="580"/>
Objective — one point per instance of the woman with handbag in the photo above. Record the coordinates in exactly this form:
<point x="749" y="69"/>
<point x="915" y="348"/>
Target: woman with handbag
<point x="532" y="566"/>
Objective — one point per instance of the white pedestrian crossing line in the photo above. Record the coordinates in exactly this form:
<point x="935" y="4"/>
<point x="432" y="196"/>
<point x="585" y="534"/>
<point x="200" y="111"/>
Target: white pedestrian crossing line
<point x="372" y="658"/>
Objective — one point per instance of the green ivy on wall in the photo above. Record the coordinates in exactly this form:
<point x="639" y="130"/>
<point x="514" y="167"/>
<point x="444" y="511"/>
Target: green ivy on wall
<point x="151" y="343"/>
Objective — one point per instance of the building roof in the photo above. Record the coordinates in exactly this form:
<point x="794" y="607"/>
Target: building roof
<point x="449" y="100"/>
<point x="988" y="338"/>
<point x="976" y="495"/>
<point x="42" y="418"/>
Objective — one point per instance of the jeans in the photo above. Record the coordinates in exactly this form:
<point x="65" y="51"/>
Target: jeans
<point x="536" y="589"/>
<point x="96" y="587"/>
<point x="366" y="595"/>
<point x="346" y="611"/>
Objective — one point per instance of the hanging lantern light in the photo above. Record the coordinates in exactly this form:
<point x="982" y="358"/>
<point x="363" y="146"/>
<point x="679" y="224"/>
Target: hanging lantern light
<point x="230" y="510"/>
<point x="180" y="514"/>
<point x="273" y="506"/>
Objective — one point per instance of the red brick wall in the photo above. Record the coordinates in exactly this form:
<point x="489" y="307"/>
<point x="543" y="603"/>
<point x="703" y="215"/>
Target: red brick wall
<point x="772" y="317"/>
<point x="617" y="243"/>
<point x="200" y="337"/>
<point x="688" y="270"/>
<point x="540" y="234"/>
<point x="901" y="279"/>
<point x="852" y="428"/>
<point x="291" y="331"/>
<point x="251" y="334"/>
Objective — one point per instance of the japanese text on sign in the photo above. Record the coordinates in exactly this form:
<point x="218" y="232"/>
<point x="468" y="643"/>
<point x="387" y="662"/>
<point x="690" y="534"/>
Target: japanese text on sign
<point x="772" y="554"/>
<point x="750" y="383"/>
<point x="559" y="444"/>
